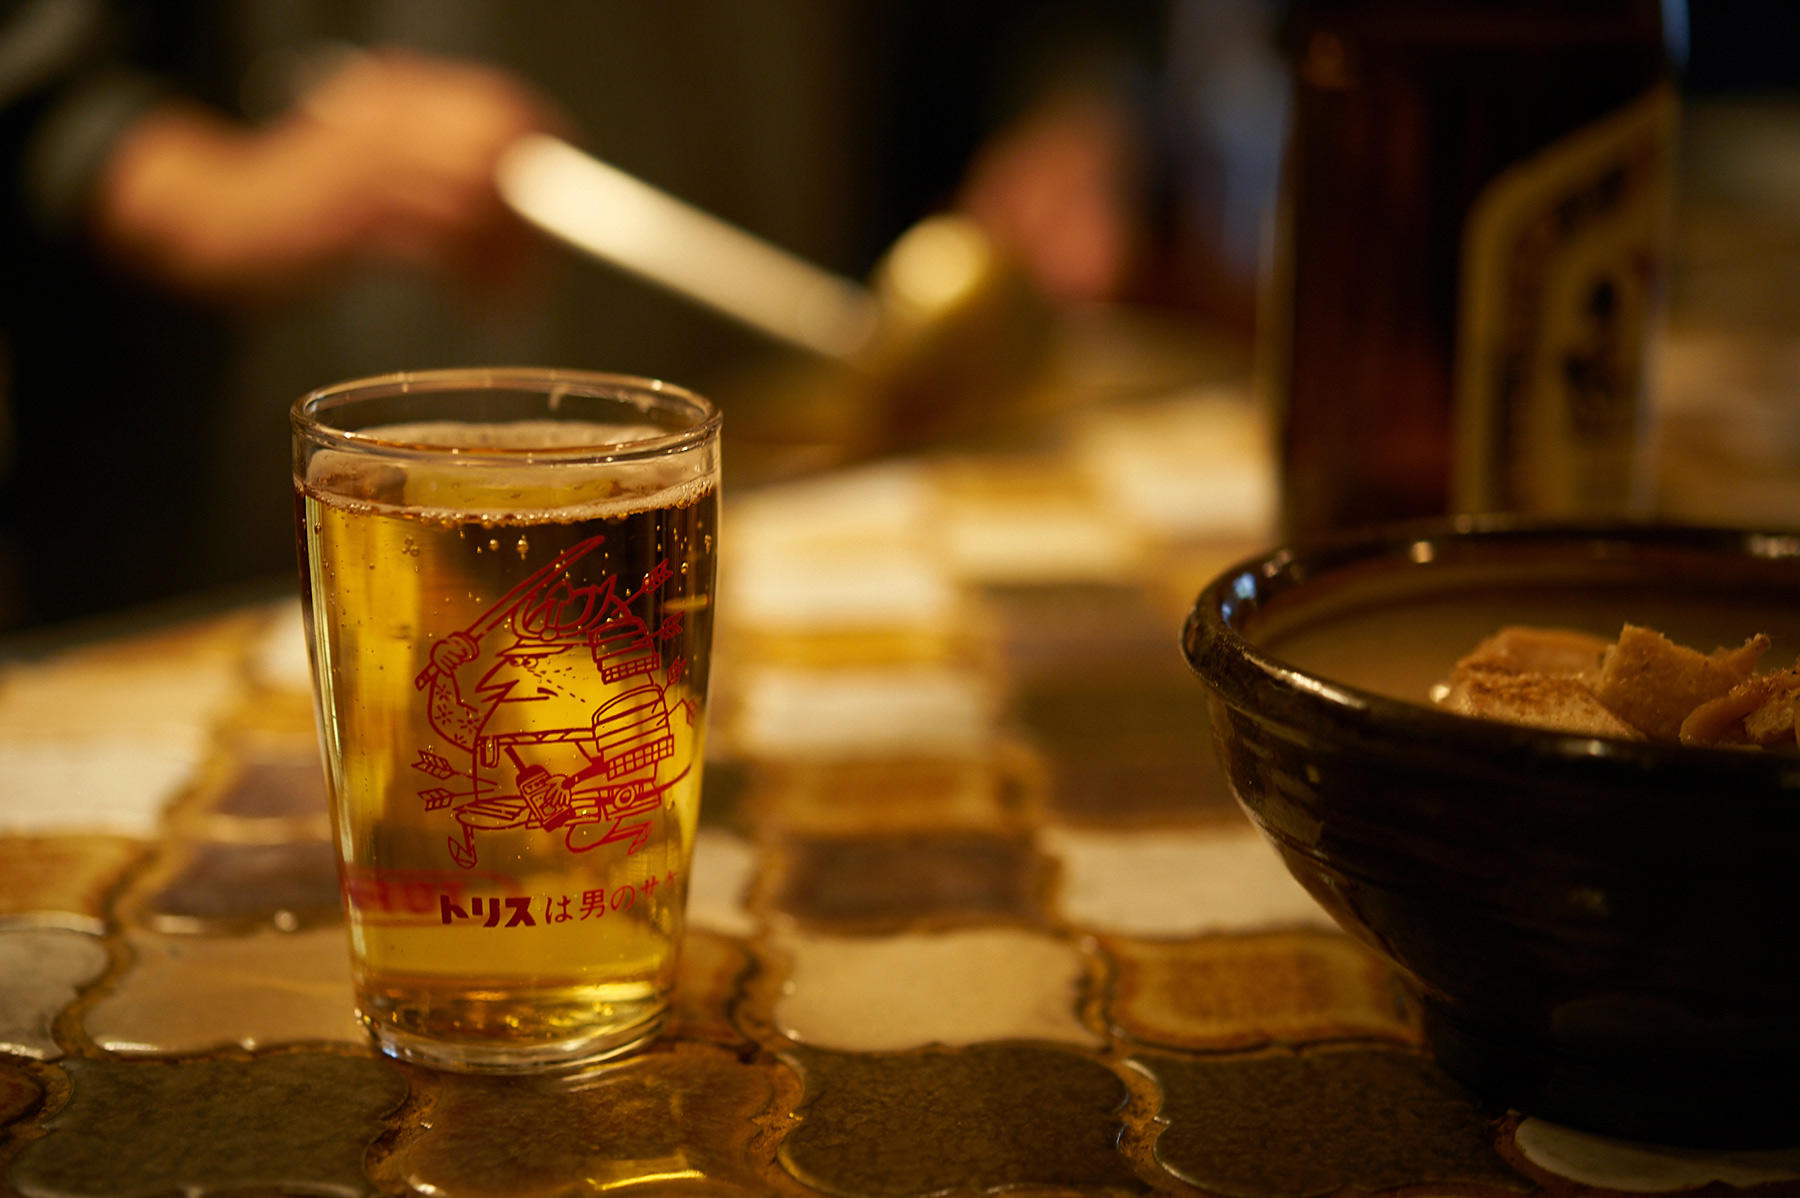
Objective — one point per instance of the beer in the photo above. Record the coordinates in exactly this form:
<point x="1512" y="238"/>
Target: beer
<point x="511" y="658"/>
<point x="1469" y="258"/>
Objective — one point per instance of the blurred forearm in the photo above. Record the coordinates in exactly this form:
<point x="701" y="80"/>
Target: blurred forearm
<point x="389" y="160"/>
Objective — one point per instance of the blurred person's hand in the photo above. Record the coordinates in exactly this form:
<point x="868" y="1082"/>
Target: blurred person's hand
<point x="1061" y="190"/>
<point x="389" y="159"/>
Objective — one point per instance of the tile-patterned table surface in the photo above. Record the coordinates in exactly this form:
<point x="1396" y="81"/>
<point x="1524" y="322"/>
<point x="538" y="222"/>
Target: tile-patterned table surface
<point x="973" y="911"/>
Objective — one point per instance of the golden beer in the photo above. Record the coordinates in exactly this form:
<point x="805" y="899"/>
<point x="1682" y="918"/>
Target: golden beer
<point x="510" y="624"/>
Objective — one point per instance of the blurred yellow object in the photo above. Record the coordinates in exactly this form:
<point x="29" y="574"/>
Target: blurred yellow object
<point x="963" y="334"/>
<point x="949" y="331"/>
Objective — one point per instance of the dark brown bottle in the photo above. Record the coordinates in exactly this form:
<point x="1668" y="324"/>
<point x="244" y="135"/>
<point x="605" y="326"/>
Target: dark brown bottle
<point x="1469" y="257"/>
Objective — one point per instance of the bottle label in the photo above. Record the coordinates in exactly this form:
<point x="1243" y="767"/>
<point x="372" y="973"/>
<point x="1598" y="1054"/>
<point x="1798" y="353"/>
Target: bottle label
<point x="1563" y="259"/>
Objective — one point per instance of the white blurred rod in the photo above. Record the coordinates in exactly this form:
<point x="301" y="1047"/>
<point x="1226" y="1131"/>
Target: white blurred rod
<point x="605" y="212"/>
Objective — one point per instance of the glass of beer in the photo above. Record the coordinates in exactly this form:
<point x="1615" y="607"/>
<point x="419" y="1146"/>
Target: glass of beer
<point x="507" y="578"/>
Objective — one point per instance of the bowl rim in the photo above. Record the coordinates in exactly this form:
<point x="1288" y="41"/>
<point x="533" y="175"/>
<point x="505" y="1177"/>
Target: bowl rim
<point x="1252" y="680"/>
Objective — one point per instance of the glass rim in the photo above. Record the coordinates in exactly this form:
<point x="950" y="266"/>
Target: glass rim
<point x="308" y="413"/>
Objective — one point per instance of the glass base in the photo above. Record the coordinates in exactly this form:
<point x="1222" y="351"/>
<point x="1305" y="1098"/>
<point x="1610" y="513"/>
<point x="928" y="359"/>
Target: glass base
<point x="498" y="1055"/>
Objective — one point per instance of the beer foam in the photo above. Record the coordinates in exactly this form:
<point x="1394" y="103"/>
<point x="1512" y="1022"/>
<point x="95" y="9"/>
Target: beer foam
<point x="509" y="487"/>
<point x="559" y="435"/>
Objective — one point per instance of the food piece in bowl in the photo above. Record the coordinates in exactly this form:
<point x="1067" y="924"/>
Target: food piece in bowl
<point x="1561" y="702"/>
<point x="1653" y="684"/>
<point x="1642" y="686"/>
<point x="1757" y="711"/>
<point x="1522" y="649"/>
<point x="1536" y="676"/>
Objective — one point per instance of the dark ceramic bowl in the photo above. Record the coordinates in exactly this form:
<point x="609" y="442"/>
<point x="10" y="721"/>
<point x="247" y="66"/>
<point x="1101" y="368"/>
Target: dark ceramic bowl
<point x="1601" y="932"/>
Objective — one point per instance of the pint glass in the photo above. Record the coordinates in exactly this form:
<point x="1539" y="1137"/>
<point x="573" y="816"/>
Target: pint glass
<point x="507" y="582"/>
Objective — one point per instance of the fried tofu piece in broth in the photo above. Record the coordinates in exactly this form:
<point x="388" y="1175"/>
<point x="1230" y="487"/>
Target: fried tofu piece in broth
<point x="1757" y="711"/>
<point x="1521" y="649"/>
<point x="1537" y="677"/>
<point x="1653" y="684"/>
<point x="1557" y="702"/>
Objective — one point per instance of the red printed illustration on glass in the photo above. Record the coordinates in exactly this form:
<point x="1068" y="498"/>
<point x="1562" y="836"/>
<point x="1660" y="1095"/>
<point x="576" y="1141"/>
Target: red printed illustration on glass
<point x="554" y="710"/>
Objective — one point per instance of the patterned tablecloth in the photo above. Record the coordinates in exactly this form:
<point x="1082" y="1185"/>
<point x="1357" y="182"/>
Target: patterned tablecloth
<point x="973" y="910"/>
